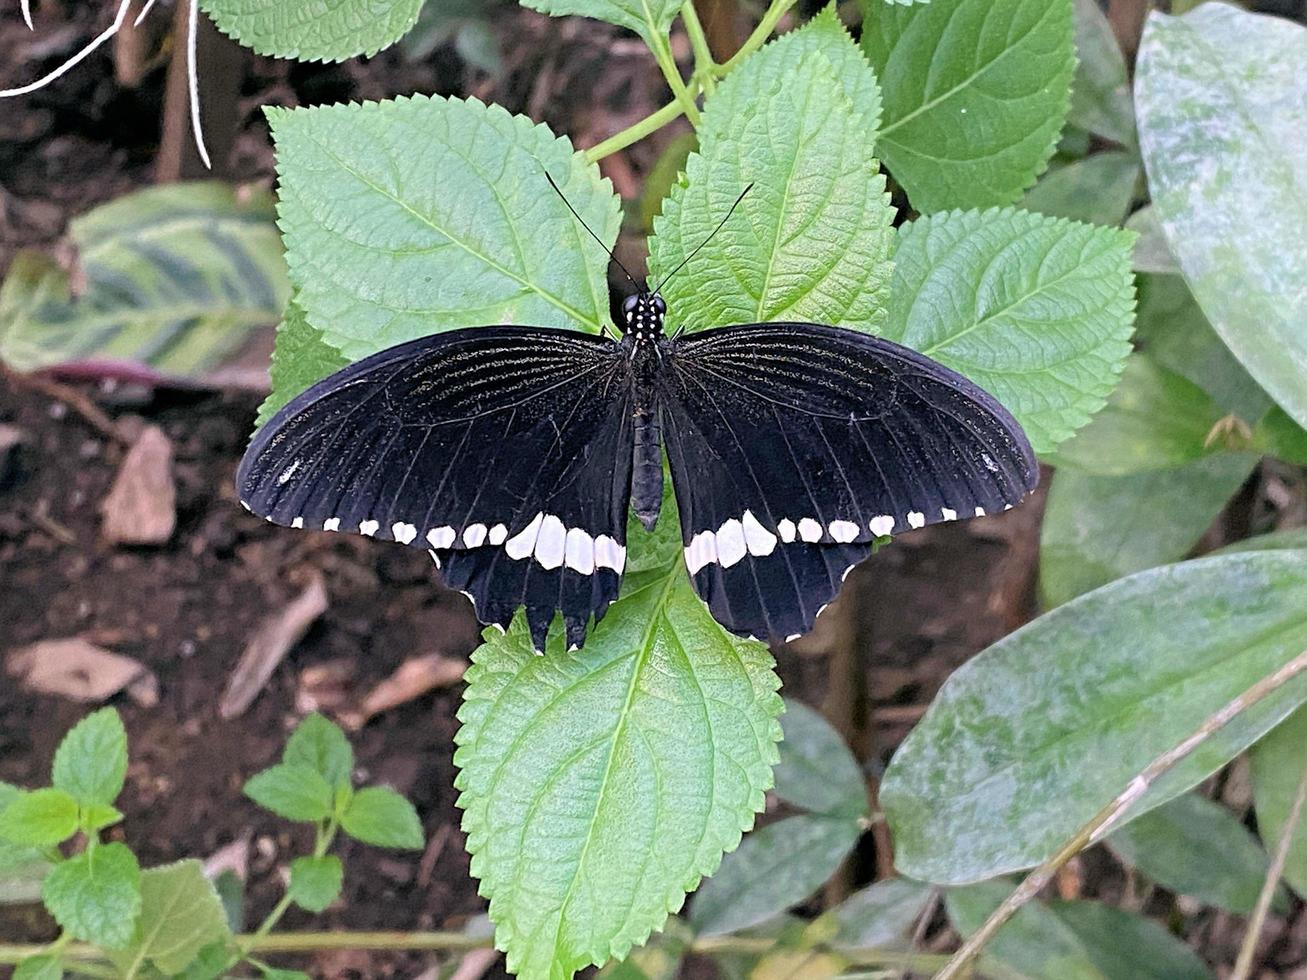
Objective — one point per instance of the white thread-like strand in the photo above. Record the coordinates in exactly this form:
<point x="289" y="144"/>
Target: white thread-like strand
<point x="193" y="81"/>
<point x="77" y="58"/>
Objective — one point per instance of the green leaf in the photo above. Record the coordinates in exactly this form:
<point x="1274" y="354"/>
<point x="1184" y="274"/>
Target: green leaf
<point x="1197" y="848"/>
<point x="651" y="19"/>
<point x="176" y="277"/>
<point x="1073" y="939"/>
<point x="97" y="816"/>
<point x="811" y="239"/>
<point x="774" y="868"/>
<point x="1033" y="944"/>
<point x="882" y="914"/>
<point x="96" y="896"/>
<point x="600" y="785"/>
<point x="1152" y="254"/>
<point x="1037" y="311"/>
<point x="181" y="916"/>
<point x="320" y="745"/>
<point x="1280" y="436"/>
<point x="309" y="30"/>
<point x="211" y="962"/>
<point x="22" y="866"/>
<point x="294" y="792"/>
<point x="1097" y="190"/>
<point x="1029" y="739"/>
<point x="1292" y="539"/>
<point x="1100" y="95"/>
<point x="1209" y="92"/>
<point x="381" y="817"/>
<point x="269" y="973"/>
<point x="1098" y="528"/>
<point x="91" y="761"/>
<point x="824" y="34"/>
<point x="424" y="214"/>
<point x="315" y="882"/>
<point x="1174" y="332"/>
<point x="41" y="818"/>
<point x="1278" y="764"/>
<point x="975" y="93"/>
<point x="1154" y="420"/>
<point x="1125" y="945"/>
<point x="39" y="968"/>
<point x="817" y="771"/>
<point x="300" y="358"/>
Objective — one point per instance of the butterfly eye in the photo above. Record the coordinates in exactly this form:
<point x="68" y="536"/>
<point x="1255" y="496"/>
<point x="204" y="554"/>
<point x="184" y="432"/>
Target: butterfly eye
<point x="659" y="305"/>
<point x="630" y="303"/>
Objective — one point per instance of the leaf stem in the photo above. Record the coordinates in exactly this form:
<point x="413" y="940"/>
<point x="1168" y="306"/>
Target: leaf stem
<point x="704" y="65"/>
<point x="662" y="52"/>
<point x="634" y="133"/>
<point x="1101" y="823"/>
<point x="1244" y="964"/>
<point x="777" y="10"/>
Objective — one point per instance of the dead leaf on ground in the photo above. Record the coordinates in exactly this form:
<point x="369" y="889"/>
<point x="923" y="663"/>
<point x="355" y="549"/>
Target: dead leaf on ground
<point x="414" y="678"/>
<point x="325" y="687"/>
<point x="269" y="645"/>
<point x="141" y="507"/>
<point x="76" y="669"/>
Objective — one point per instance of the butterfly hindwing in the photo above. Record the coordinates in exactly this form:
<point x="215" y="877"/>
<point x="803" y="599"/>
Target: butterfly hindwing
<point x="794" y="446"/>
<point x="505" y="451"/>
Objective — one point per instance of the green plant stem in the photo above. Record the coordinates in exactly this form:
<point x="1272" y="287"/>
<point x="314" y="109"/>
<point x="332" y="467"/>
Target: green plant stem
<point x="457" y="942"/>
<point x="704" y="65"/>
<point x="777" y="10"/>
<point x="1102" y="822"/>
<point x="325" y="836"/>
<point x="662" y="52"/>
<point x="634" y="133"/>
<point x="1248" y="949"/>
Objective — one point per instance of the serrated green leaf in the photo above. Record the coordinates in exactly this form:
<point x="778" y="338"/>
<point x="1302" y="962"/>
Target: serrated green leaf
<point x="40" y="818"/>
<point x="1154" y="420"/>
<point x="1037" y="311"/>
<point x="417" y="215"/>
<point x="1100" y="94"/>
<point x="1097" y="190"/>
<point x="97" y="816"/>
<point x="1210" y="93"/>
<point x="181" y="916"/>
<point x="300" y="358"/>
<point x="1098" y="528"/>
<point x="381" y="817"/>
<point x="773" y="868"/>
<point x="96" y="895"/>
<point x="1278" y="764"/>
<point x="1125" y="945"/>
<point x="811" y="239"/>
<point x="816" y="770"/>
<point x="320" y="745"/>
<point x="309" y="30"/>
<point x="975" y="93"/>
<point x="176" y="277"/>
<point x="91" y="761"/>
<point x="651" y="19"/>
<point x="824" y="34"/>
<point x="315" y="882"/>
<point x="22" y="866"/>
<point x="598" y="786"/>
<point x="39" y="968"/>
<point x="295" y="792"/>
<point x="1198" y="848"/>
<point x="1029" y="739"/>
<point x="210" y="963"/>
<point x="881" y="914"/>
<point x="1034" y="944"/>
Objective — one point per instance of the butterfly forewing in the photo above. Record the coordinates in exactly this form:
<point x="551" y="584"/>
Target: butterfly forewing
<point x="794" y="446"/>
<point x="505" y="451"/>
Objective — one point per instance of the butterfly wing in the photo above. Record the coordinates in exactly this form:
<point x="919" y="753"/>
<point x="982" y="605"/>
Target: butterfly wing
<point x="794" y="446"/>
<point x="505" y="451"/>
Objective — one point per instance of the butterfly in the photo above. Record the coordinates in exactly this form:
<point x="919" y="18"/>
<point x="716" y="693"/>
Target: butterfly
<point x="512" y="454"/>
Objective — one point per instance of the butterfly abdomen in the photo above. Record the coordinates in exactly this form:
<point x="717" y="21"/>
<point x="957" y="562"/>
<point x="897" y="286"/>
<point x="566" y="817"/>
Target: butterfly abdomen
<point x="647" y="472"/>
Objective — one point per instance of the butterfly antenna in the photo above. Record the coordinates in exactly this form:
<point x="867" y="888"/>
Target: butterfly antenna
<point x="628" y="275"/>
<point x="720" y="225"/>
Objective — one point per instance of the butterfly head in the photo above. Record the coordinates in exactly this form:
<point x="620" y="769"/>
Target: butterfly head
<point x="643" y="315"/>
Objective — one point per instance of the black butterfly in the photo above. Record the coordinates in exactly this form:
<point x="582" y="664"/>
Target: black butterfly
<point x="512" y="454"/>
